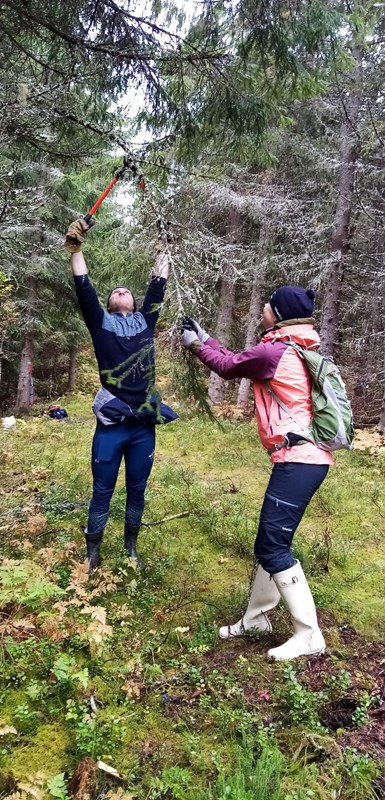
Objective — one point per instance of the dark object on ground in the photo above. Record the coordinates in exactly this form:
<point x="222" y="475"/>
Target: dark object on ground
<point x="56" y="412"/>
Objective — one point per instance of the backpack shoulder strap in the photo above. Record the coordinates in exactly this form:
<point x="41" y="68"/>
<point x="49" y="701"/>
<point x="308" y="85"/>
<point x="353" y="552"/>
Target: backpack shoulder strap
<point x="297" y="347"/>
<point x="306" y="431"/>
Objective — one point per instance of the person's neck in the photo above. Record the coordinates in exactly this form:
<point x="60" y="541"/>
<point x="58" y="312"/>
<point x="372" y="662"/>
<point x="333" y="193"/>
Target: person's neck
<point x="299" y="321"/>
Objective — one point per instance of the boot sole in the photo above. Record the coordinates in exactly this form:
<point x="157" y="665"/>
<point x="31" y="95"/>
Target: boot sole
<point x="300" y="655"/>
<point x="249" y="632"/>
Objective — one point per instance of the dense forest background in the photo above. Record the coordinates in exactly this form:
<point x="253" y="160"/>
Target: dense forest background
<point x="259" y="126"/>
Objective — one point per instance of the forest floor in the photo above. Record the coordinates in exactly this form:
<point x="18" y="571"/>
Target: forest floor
<point x="121" y="684"/>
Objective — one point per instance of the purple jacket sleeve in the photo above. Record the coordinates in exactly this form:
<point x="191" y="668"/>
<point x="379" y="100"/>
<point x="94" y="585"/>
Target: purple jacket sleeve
<point x="259" y="363"/>
<point x="215" y="345"/>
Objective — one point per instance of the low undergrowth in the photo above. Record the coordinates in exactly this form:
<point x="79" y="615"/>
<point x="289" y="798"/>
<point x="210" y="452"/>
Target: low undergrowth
<point x="119" y="687"/>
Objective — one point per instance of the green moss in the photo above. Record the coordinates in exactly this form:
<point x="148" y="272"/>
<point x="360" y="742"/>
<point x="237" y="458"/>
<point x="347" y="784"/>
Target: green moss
<point x="196" y="577"/>
<point x="45" y="753"/>
<point x="12" y="699"/>
<point x="104" y="691"/>
<point x="139" y="735"/>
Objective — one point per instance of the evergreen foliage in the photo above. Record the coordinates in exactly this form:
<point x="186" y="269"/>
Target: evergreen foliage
<point x="248" y="105"/>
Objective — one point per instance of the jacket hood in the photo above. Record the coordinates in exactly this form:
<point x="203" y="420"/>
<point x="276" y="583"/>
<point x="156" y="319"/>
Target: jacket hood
<point x="303" y="334"/>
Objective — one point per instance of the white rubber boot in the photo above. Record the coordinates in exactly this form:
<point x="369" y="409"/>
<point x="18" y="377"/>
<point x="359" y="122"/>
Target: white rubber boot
<point x="264" y="597"/>
<point x="307" y="639"/>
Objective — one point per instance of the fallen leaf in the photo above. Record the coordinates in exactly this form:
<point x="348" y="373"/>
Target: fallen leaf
<point x="40" y="473"/>
<point x="124" y="612"/>
<point x="7" y="729"/>
<point x="119" y="794"/>
<point x="25" y="623"/>
<point x="31" y="791"/>
<point x="36" y="525"/>
<point x="51" y="629"/>
<point x="132" y="688"/>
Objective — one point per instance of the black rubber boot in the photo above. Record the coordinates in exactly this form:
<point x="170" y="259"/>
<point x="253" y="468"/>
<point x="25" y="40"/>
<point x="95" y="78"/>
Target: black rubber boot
<point x="131" y="533"/>
<point x="93" y="542"/>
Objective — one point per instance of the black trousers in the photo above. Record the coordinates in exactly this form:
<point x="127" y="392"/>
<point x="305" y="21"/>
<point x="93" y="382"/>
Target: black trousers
<point x="290" y="489"/>
<point x="135" y="442"/>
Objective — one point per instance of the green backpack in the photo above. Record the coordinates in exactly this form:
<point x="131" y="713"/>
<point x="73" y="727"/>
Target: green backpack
<point x="332" y="425"/>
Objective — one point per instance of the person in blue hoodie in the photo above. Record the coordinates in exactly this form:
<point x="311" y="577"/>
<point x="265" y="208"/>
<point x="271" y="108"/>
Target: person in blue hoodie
<point x="127" y="406"/>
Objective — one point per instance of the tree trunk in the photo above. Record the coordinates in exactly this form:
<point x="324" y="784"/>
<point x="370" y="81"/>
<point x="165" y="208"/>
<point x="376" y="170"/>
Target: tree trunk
<point x="217" y="384"/>
<point x="250" y="340"/>
<point x="341" y="229"/>
<point x="23" y="398"/>
<point x="381" y="422"/>
<point x="72" y="368"/>
<point x="254" y="313"/>
<point x="2" y="342"/>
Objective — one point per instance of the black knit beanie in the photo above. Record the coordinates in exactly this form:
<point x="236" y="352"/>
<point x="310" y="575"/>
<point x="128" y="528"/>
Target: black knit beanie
<point x="292" y="302"/>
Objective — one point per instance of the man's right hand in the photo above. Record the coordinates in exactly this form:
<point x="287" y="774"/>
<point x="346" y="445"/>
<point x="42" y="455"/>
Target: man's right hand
<point x="76" y="235"/>
<point x="188" y="323"/>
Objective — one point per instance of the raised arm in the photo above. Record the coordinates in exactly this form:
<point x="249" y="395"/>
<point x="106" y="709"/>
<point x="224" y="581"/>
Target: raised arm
<point x="75" y="237"/>
<point x="78" y="264"/>
<point x="258" y="363"/>
<point x="161" y="266"/>
<point x="156" y="288"/>
<point x="86" y="294"/>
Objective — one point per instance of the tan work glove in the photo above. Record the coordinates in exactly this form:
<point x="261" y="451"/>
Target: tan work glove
<point x="165" y="237"/>
<point x="76" y="235"/>
<point x="161" y="245"/>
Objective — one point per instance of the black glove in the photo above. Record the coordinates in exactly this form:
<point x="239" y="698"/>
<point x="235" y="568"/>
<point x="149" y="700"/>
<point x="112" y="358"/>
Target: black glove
<point x="186" y="325"/>
<point x="190" y="324"/>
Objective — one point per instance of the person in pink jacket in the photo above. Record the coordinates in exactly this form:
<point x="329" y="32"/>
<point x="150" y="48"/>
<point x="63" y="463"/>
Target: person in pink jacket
<point x="299" y="466"/>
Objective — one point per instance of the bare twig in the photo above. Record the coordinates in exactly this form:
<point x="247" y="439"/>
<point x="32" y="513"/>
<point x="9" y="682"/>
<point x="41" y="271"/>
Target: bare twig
<point x="167" y="519"/>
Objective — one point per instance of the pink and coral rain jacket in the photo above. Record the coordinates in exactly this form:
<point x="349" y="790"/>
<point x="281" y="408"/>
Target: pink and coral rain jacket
<point x="288" y="377"/>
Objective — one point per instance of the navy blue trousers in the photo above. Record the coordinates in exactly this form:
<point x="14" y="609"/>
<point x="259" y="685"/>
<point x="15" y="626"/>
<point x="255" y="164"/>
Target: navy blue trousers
<point x="135" y="442"/>
<point x="290" y="489"/>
